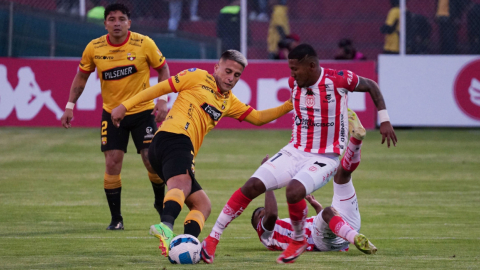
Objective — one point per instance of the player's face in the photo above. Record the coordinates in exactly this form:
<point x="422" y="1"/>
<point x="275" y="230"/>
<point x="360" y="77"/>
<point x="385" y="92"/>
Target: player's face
<point x="117" y="24"/>
<point x="301" y="72"/>
<point x="227" y="73"/>
<point x="258" y="216"/>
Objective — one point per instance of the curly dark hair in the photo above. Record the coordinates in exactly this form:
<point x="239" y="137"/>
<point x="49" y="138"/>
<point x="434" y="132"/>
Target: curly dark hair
<point x="115" y="7"/>
<point x="253" y="215"/>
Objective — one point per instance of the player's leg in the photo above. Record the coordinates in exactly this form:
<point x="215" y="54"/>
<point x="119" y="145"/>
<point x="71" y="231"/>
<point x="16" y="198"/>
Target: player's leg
<point x="114" y="146"/>
<point x="142" y="135"/>
<point x="200" y="208"/>
<point x="273" y="174"/>
<point x="351" y="159"/>
<point x="316" y="171"/>
<point x="172" y="157"/>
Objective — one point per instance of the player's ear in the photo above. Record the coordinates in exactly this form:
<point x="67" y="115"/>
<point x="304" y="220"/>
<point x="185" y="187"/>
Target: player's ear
<point x="129" y="23"/>
<point x="215" y="68"/>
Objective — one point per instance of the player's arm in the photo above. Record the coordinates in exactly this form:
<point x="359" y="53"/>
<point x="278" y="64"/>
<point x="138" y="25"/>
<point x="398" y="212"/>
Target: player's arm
<point x="386" y="129"/>
<point x="314" y="203"/>
<point x="271" y="211"/>
<point x="262" y="117"/>
<point x="150" y="93"/>
<point x="76" y="90"/>
<point x="160" y="111"/>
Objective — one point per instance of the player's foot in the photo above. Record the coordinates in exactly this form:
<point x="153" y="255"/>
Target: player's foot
<point x="115" y="225"/>
<point x="165" y="234"/>
<point x="364" y="245"/>
<point x="294" y="249"/>
<point x="355" y="127"/>
<point x="209" y="245"/>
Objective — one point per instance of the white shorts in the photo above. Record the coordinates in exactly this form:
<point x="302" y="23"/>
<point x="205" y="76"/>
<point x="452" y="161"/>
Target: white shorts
<point x="312" y="170"/>
<point x="345" y="202"/>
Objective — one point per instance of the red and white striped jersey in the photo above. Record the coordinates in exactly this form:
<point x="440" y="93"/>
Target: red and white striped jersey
<point x="320" y="112"/>
<point x="279" y="238"/>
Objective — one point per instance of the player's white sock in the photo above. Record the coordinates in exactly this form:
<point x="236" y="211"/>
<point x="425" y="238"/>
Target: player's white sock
<point x="234" y="208"/>
<point x="351" y="159"/>
<point x="342" y="229"/>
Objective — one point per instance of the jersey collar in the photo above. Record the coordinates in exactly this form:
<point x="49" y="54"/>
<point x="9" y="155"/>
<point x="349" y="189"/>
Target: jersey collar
<point x="118" y="45"/>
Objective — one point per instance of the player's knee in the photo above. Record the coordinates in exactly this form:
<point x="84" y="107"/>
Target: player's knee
<point x="253" y="188"/>
<point x="295" y="191"/>
<point x="328" y="213"/>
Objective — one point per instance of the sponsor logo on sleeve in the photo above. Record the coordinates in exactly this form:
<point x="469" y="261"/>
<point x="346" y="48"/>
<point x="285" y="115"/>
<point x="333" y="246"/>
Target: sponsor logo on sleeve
<point x="183" y="72"/>
<point x="118" y="72"/>
<point x="192" y="69"/>
<point x="177" y="80"/>
<point x="213" y="112"/>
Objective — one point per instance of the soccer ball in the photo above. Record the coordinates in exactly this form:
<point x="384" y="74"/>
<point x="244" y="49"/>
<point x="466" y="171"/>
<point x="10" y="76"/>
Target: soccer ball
<point x="184" y="249"/>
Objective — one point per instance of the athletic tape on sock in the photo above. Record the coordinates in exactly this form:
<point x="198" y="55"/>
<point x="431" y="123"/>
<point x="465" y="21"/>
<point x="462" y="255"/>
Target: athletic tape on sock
<point x="112" y="181"/>
<point x="155" y="178"/>
<point x="175" y="195"/>
<point x="196" y="216"/>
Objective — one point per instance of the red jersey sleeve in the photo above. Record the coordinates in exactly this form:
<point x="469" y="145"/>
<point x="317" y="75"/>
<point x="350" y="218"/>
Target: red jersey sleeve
<point x="347" y="80"/>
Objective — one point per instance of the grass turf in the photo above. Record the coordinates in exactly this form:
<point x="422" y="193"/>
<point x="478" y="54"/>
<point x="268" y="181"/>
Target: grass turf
<point x="419" y="202"/>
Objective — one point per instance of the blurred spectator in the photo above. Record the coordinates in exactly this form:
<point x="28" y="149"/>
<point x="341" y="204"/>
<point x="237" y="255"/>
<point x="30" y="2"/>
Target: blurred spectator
<point x="286" y="45"/>
<point x="346" y="51"/>
<point x="418" y="34"/>
<point x="228" y="26"/>
<point x="449" y="14"/>
<point x="68" y="6"/>
<point x="391" y="29"/>
<point x="279" y="27"/>
<point x="259" y="12"/>
<point x="175" y="8"/>
<point x="473" y="29"/>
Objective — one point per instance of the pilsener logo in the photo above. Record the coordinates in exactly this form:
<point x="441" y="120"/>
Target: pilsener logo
<point x="467" y="89"/>
<point x="118" y="72"/>
<point x="214" y="113"/>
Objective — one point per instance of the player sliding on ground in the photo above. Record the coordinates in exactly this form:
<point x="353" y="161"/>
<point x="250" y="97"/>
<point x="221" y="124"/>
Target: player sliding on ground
<point x="311" y="158"/>
<point x="203" y="100"/>
<point x="334" y="227"/>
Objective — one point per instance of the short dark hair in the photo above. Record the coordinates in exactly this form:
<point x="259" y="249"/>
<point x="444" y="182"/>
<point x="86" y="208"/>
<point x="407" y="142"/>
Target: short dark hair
<point x="115" y="7"/>
<point x="253" y="215"/>
<point x="302" y="51"/>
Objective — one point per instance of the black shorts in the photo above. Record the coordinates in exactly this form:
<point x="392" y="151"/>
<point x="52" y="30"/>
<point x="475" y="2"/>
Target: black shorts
<point x="142" y="126"/>
<point x="172" y="154"/>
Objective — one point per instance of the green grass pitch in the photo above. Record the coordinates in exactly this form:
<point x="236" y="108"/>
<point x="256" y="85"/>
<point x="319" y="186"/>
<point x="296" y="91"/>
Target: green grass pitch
<point x="419" y="201"/>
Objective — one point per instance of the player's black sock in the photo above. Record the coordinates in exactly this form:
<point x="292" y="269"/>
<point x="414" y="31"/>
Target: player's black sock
<point x="114" y="202"/>
<point x="159" y="191"/>
<point x="170" y="212"/>
<point x="192" y="227"/>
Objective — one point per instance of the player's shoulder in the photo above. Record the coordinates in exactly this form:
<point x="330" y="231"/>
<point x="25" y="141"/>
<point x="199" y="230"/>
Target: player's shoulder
<point x="98" y="42"/>
<point x="134" y="36"/>
<point x="291" y="82"/>
<point x="194" y="72"/>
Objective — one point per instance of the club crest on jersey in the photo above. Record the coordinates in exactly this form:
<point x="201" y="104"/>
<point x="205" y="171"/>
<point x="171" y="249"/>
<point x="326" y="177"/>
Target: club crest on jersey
<point x="131" y="56"/>
<point x="310" y="101"/>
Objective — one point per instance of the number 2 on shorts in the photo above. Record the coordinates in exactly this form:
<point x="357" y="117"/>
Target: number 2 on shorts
<point x="104" y="128"/>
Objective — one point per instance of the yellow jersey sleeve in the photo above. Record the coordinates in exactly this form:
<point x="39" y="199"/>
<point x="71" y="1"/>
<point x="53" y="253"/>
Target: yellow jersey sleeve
<point x="238" y="110"/>
<point x="393" y="16"/>
<point x="154" y="56"/>
<point x="186" y="79"/>
<point x="150" y="93"/>
<point x="86" y="63"/>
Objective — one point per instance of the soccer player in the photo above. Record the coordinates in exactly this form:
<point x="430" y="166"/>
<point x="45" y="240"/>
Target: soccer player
<point x="311" y="158"/>
<point x="202" y="101"/>
<point x="334" y="227"/>
<point x="123" y="60"/>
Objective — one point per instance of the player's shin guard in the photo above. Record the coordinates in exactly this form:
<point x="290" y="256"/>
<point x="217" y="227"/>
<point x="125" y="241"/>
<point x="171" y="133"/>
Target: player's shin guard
<point x="298" y="214"/>
<point x="234" y="208"/>
<point x="158" y="190"/>
<point x="173" y="204"/>
<point x="342" y="229"/>
<point x="351" y="159"/>
<point x="113" y="190"/>
<point x="194" y="222"/>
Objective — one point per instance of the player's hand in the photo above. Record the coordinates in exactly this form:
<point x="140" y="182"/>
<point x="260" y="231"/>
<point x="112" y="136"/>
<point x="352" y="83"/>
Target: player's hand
<point x="310" y="199"/>
<point x="160" y="111"/>
<point x="265" y="159"/>
<point x="388" y="133"/>
<point x="118" y="114"/>
<point x="67" y="118"/>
